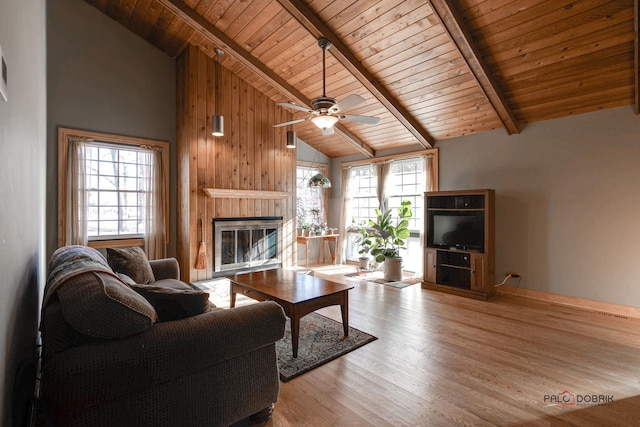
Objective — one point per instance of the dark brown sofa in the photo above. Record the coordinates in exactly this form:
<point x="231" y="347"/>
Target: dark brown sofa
<point x="108" y="361"/>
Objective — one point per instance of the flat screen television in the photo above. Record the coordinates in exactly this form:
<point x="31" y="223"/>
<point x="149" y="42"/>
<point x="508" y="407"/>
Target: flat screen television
<point x="456" y="230"/>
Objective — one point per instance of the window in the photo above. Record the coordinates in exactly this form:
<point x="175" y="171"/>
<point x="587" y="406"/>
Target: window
<point x="112" y="190"/>
<point x="116" y="179"/>
<point x="310" y="201"/>
<point x="406" y="182"/>
<point x="364" y="200"/>
<point x="406" y="179"/>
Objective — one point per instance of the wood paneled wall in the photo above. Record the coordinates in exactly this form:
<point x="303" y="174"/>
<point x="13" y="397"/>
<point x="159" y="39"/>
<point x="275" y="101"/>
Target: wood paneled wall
<point x="251" y="157"/>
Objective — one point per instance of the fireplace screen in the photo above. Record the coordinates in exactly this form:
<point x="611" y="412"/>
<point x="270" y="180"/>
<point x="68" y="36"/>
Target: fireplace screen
<point x="246" y="243"/>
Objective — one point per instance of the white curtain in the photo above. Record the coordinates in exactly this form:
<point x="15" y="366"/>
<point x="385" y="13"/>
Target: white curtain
<point x="429" y="180"/>
<point x="382" y="173"/>
<point x="346" y="208"/>
<point x="77" y="203"/>
<point x="155" y="221"/>
<point x="429" y="173"/>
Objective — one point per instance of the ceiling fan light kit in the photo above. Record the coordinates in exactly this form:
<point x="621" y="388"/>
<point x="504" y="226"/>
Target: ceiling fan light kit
<point x="325" y="109"/>
<point x="324" y="122"/>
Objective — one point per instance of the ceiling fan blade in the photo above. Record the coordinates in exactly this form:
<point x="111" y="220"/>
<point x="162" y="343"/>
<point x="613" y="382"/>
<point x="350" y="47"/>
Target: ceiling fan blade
<point x="349" y="102"/>
<point x="327" y="131"/>
<point x="294" y="106"/>
<point x="292" y="122"/>
<point x="367" y="120"/>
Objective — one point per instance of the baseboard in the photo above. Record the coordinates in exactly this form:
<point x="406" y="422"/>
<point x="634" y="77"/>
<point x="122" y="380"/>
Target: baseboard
<point x="604" y="307"/>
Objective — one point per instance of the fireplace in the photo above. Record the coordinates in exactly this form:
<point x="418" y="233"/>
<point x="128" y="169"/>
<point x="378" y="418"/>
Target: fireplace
<point x="246" y="244"/>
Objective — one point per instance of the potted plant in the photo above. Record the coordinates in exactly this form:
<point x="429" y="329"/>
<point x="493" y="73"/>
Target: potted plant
<point x="306" y="229"/>
<point x="390" y="236"/>
<point x="300" y="226"/>
<point x="364" y="242"/>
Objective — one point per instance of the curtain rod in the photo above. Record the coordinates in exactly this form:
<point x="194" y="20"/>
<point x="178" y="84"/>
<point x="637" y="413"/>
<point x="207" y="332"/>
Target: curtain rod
<point x="390" y="158"/>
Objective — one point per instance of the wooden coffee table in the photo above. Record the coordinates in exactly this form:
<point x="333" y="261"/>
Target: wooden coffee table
<point x="297" y="293"/>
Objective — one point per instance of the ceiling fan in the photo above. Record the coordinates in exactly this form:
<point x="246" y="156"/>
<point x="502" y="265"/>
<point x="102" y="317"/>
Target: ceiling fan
<point x="326" y="110"/>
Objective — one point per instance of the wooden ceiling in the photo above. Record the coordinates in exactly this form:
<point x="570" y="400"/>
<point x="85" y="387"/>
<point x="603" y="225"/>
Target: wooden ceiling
<point x="430" y="69"/>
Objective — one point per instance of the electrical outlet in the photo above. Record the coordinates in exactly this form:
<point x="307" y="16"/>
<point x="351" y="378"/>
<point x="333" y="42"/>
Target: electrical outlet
<point x="512" y="274"/>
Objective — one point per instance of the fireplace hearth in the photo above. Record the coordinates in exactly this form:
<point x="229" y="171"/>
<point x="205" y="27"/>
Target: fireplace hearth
<point x="246" y="244"/>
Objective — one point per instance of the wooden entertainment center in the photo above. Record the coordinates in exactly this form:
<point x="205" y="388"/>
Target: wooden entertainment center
<point x="459" y="252"/>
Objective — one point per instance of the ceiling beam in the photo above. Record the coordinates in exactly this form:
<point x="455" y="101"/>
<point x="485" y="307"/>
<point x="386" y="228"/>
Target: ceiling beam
<point x="636" y="53"/>
<point x="449" y="17"/>
<point x="308" y="19"/>
<point x="207" y="29"/>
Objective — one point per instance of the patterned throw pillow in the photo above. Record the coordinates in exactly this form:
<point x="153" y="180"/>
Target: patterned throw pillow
<point x="131" y="261"/>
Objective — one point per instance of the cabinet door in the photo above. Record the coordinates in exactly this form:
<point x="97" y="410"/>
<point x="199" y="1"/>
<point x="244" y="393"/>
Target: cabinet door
<point x="430" y="257"/>
<point x="478" y="272"/>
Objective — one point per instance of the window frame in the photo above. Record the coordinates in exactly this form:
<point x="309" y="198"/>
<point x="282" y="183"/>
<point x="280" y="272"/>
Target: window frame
<point x="64" y="134"/>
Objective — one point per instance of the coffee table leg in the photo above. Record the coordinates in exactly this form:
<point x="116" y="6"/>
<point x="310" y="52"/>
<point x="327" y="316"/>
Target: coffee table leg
<point x="344" y="308"/>
<point x="232" y="297"/>
<point x="295" y="334"/>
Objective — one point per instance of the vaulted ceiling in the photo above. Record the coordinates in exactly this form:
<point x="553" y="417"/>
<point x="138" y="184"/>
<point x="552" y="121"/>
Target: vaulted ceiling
<point x="429" y="69"/>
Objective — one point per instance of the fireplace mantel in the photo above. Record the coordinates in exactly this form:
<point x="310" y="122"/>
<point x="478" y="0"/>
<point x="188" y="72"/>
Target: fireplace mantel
<point x="224" y="193"/>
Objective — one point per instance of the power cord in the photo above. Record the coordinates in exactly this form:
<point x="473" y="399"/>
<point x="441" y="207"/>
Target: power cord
<point x="510" y="276"/>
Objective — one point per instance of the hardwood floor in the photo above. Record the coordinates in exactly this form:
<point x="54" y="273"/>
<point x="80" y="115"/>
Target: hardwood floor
<point x="447" y="360"/>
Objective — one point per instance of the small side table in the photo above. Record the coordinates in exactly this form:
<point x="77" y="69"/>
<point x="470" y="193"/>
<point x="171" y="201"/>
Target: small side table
<point x="304" y="240"/>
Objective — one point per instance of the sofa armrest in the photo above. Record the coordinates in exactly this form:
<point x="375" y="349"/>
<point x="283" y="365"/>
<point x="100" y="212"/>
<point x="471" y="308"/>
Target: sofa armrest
<point x="166" y="268"/>
<point x="163" y="353"/>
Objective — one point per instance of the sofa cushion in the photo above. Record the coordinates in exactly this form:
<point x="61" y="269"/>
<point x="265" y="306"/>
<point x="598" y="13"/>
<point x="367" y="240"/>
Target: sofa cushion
<point x="131" y="261"/>
<point x="99" y="305"/>
<point x="174" y="303"/>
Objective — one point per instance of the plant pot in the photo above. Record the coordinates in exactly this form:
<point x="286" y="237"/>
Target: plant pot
<point x="363" y="263"/>
<point x="393" y="269"/>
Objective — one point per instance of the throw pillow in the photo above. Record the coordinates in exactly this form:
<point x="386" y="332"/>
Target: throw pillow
<point x="174" y="304"/>
<point x="131" y="261"/>
<point x="99" y="305"/>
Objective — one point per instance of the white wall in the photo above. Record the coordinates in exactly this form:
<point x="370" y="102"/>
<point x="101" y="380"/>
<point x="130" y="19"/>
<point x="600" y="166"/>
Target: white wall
<point x="567" y="201"/>
<point x="22" y="201"/>
<point x="102" y="77"/>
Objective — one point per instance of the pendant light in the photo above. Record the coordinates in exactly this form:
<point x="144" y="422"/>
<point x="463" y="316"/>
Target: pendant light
<point x="291" y="139"/>
<point x="217" y="121"/>
<point x="319" y="179"/>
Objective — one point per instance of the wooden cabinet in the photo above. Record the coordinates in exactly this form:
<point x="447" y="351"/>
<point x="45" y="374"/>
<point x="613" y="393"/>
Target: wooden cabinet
<point x="459" y="239"/>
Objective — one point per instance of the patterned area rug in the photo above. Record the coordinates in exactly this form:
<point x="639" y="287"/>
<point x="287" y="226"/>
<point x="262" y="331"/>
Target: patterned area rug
<point x="321" y="340"/>
<point x="376" y="277"/>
